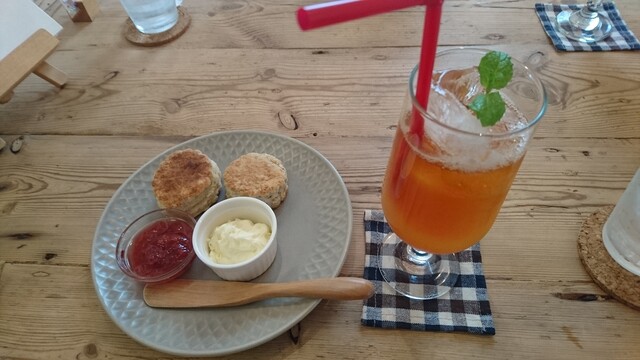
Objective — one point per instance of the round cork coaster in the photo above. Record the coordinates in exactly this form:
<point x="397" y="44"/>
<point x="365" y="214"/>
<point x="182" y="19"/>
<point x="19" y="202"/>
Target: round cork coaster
<point x="611" y="277"/>
<point x="133" y="35"/>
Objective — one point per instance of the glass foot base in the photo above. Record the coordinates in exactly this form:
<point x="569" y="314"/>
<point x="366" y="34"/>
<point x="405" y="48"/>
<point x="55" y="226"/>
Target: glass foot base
<point x="575" y="26"/>
<point x="416" y="274"/>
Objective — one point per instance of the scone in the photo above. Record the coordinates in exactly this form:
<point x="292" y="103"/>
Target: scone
<point x="261" y="176"/>
<point x="187" y="180"/>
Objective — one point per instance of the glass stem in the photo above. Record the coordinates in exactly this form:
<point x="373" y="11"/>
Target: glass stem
<point x="422" y="258"/>
<point x="591" y="10"/>
<point x="592" y="6"/>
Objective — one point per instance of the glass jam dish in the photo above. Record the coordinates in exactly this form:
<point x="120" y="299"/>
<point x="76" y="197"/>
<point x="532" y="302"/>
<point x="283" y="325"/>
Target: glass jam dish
<point x="157" y="246"/>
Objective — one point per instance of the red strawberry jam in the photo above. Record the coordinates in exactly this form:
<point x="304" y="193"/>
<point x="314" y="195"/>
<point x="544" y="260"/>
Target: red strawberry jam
<point x="160" y="248"/>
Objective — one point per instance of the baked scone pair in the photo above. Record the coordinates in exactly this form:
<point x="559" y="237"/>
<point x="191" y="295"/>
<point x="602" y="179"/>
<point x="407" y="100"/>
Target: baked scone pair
<point x="190" y="181"/>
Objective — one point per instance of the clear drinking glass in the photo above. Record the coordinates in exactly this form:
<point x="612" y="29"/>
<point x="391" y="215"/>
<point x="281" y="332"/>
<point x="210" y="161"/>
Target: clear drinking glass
<point x="621" y="231"/>
<point x="444" y="187"/>
<point x="151" y="16"/>
<point x="586" y="24"/>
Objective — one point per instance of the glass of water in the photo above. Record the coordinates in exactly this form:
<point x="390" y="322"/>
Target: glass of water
<point x="151" y="16"/>
<point x="621" y="231"/>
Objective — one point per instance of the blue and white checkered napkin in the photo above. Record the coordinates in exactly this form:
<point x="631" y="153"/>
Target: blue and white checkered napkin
<point x="465" y="308"/>
<point x="621" y="37"/>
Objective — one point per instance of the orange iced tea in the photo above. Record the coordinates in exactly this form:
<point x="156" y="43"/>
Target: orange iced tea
<point x="436" y="208"/>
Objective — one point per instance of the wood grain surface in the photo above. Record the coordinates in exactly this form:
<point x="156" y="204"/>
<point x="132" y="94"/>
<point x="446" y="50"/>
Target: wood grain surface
<point x="244" y="64"/>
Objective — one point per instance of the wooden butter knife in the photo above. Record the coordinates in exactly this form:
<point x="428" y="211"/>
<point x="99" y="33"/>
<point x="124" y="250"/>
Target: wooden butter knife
<point x="185" y="293"/>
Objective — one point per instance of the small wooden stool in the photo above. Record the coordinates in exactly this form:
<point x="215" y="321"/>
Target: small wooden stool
<point x="29" y="57"/>
<point x="81" y="10"/>
<point x="27" y="38"/>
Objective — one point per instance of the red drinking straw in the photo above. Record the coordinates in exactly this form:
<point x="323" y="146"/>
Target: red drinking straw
<point x="334" y="12"/>
<point x="315" y="16"/>
<point x="427" y="61"/>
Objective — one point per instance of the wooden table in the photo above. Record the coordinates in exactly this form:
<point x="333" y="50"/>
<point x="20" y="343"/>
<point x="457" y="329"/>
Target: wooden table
<point x="245" y="65"/>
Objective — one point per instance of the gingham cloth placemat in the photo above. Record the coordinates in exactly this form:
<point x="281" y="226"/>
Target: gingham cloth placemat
<point x="621" y="37"/>
<point x="465" y="308"/>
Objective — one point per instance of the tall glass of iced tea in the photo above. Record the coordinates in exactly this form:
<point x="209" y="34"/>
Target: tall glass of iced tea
<point x="444" y="186"/>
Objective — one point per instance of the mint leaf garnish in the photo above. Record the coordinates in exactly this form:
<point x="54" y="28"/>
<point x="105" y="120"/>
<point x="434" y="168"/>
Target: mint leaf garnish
<point x="489" y="108"/>
<point x="496" y="70"/>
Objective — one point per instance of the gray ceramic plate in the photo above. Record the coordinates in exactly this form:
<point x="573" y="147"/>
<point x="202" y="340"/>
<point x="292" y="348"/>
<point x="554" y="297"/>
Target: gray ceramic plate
<point x="314" y="229"/>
